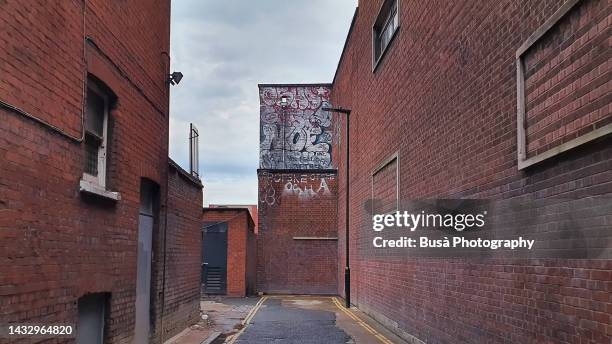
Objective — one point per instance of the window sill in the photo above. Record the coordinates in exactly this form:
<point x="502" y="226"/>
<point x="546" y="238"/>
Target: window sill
<point x="93" y="189"/>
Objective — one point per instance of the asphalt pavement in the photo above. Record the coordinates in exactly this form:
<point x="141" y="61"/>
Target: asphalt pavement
<point x="309" y="320"/>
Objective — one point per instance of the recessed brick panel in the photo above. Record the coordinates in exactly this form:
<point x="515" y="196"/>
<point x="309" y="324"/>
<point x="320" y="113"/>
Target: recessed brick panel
<point x="385" y="188"/>
<point x="567" y="78"/>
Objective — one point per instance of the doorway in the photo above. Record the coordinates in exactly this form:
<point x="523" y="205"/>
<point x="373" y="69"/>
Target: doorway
<point x="92" y="309"/>
<point x="214" y="258"/>
<point x="149" y="201"/>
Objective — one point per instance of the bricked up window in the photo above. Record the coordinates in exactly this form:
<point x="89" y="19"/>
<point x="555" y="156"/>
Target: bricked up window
<point x="385" y="183"/>
<point x="563" y="82"/>
<point x="384" y="29"/>
<point x="96" y="122"/>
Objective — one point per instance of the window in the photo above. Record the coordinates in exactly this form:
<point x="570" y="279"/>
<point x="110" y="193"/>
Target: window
<point x="384" y="29"/>
<point x="97" y="108"/>
<point x="96" y="132"/>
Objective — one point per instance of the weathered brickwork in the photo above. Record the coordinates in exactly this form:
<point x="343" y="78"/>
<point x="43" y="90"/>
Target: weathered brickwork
<point x="445" y="97"/>
<point x="297" y="246"/>
<point x="181" y="296"/>
<point x="59" y="244"/>
<point x="241" y="247"/>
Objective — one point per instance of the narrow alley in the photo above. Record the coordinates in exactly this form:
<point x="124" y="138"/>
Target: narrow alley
<point x="283" y="319"/>
<point x="306" y="172"/>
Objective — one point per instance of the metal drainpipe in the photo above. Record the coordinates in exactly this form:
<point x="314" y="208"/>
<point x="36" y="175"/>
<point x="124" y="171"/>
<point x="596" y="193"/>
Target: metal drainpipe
<point x="163" y="297"/>
<point x="347" y="268"/>
<point x="284" y="115"/>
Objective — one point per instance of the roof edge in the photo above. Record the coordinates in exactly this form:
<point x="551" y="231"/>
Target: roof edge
<point x="348" y="36"/>
<point x="324" y="84"/>
<point x="297" y="170"/>
<point x="184" y="173"/>
<point x="245" y="210"/>
<point x="225" y="209"/>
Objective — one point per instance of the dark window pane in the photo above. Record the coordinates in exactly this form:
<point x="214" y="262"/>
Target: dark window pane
<point x="386" y="25"/>
<point x="94" y="122"/>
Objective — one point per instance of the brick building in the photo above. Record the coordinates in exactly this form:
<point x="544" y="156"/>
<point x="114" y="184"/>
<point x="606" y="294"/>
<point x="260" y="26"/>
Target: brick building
<point x="84" y="173"/>
<point x="499" y="100"/>
<point x="297" y="241"/>
<point x="228" y="251"/>
<point x="252" y="210"/>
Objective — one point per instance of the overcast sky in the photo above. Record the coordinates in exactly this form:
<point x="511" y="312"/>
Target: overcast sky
<point x="225" y="48"/>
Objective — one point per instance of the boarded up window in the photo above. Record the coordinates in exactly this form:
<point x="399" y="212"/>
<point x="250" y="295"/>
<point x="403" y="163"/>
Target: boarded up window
<point x="565" y="74"/>
<point x="385" y="183"/>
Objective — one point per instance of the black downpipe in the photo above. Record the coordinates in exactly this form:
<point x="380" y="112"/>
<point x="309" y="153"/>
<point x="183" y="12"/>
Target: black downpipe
<point x="347" y="269"/>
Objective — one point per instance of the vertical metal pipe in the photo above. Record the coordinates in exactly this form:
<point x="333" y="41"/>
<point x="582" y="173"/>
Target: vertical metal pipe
<point x="347" y="269"/>
<point x="283" y="115"/>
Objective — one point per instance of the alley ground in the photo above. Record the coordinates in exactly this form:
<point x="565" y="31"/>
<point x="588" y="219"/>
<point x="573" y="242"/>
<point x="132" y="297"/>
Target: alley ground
<point x="283" y="319"/>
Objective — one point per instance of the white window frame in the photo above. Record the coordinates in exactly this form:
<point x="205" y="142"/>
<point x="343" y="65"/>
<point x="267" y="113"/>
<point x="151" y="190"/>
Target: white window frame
<point x="100" y="179"/>
<point x="376" y="60"/>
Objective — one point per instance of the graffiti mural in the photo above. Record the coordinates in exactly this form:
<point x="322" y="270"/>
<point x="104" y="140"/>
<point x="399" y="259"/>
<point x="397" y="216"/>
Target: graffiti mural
<point x="308" y="186"/>
<point x="296" y="133"/>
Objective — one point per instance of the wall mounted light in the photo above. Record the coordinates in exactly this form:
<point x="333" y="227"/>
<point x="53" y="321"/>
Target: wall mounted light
<point x="175" y="78"/>
<point x="284" y="101"/>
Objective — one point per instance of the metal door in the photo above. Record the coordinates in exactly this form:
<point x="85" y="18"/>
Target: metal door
<point x="91" y="310"/>
<point x="214" y="258"/>
<point x="143" y="278"/>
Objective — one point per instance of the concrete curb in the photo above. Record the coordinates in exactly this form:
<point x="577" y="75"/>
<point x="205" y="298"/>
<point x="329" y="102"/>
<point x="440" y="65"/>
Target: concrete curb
<point x="211" y="338"/>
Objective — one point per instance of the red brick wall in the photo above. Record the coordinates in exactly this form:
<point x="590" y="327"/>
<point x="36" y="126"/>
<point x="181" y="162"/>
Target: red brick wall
<point x="297" y="203"/>
<point x="57" y="244"/>
<point x="444" y="96"/>
<point x="251" y="260"/>
<point x="252" y="210"/>
<point x="183" y="254"/>
<point x="240" y="239"/>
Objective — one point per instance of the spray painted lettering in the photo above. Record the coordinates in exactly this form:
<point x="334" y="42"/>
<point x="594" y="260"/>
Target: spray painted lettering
<point x="298" y="133"/>
<point x="278" y="186"/>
